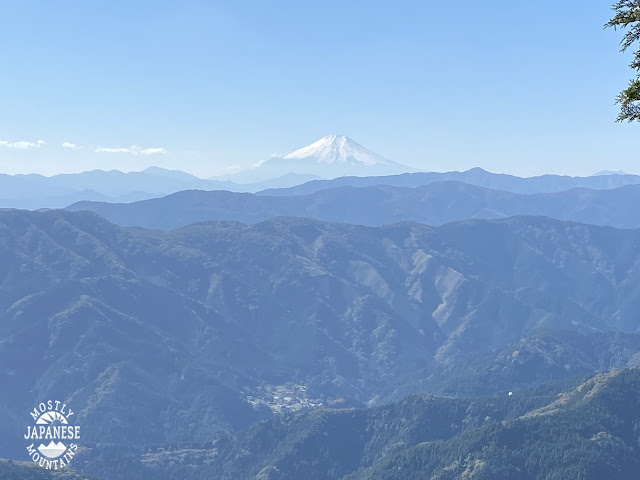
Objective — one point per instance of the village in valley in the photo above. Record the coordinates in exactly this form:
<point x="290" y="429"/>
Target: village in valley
<point x="288" y="397"/>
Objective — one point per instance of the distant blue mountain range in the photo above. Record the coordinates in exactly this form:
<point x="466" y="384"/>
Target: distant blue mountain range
<point x="37" y="191"/>
<point x="434" y="204"/>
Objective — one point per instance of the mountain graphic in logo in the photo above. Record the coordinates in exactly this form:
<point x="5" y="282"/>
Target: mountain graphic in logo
<point x="50" y="417"/>
<point x="53" y="450"/>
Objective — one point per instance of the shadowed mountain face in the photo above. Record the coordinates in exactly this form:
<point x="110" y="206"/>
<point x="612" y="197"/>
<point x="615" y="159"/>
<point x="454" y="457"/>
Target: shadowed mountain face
<point x="162" y="336"/>
<point x="433" y="204"/>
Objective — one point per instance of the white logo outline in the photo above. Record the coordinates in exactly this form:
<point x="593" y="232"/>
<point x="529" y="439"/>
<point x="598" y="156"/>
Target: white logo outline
<point x="52" y="424"/>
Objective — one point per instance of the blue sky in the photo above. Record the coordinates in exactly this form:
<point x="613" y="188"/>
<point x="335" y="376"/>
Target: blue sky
<point x="517" y="87"/>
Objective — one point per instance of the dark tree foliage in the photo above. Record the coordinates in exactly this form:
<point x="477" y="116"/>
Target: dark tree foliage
<point x="10" y="470"/>
<point x="627" y="15"/>
<point x="589" y="432"/>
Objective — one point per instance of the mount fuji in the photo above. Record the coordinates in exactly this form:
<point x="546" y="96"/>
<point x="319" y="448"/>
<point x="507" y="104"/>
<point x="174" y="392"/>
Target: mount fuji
<point x="330" y="157"/>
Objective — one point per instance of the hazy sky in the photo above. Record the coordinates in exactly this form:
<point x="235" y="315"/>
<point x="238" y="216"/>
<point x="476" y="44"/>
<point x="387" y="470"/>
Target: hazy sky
<point x="518" y="87"/>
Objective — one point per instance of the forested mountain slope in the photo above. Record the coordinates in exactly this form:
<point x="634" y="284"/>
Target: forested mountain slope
<point x="588" y="432"/>
<point x="169" y="336"/>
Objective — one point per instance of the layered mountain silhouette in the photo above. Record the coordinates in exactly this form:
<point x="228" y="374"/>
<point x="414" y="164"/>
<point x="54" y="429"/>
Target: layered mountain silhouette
<point x="329" y="157"/>
<point x="475" y="176"/>
<point x="275" y="177"/>
<point x="434" y="204"/>
<point x="169" y="336"/>
<point x="37" y="191"/>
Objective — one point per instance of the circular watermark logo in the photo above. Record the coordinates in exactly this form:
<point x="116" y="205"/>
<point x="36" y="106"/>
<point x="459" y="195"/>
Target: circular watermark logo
<point x="52" y="435"/>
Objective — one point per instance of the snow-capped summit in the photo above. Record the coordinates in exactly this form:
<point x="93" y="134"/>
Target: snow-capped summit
<point x="334" y="149"/>
<point x="330" y="157"/>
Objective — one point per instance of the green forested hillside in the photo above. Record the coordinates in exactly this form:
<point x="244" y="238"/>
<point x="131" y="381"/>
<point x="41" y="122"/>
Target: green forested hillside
<point x="10" y="470"/>
<point x="591" y="431"/>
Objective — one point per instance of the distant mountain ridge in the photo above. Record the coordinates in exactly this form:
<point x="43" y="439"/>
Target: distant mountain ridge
<point x="434" y="204"/>
<point x="37" y="191"/>
<point x="329" y="157"/>
<point x="475" y="176"/>
<point x="611" y="172"/>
